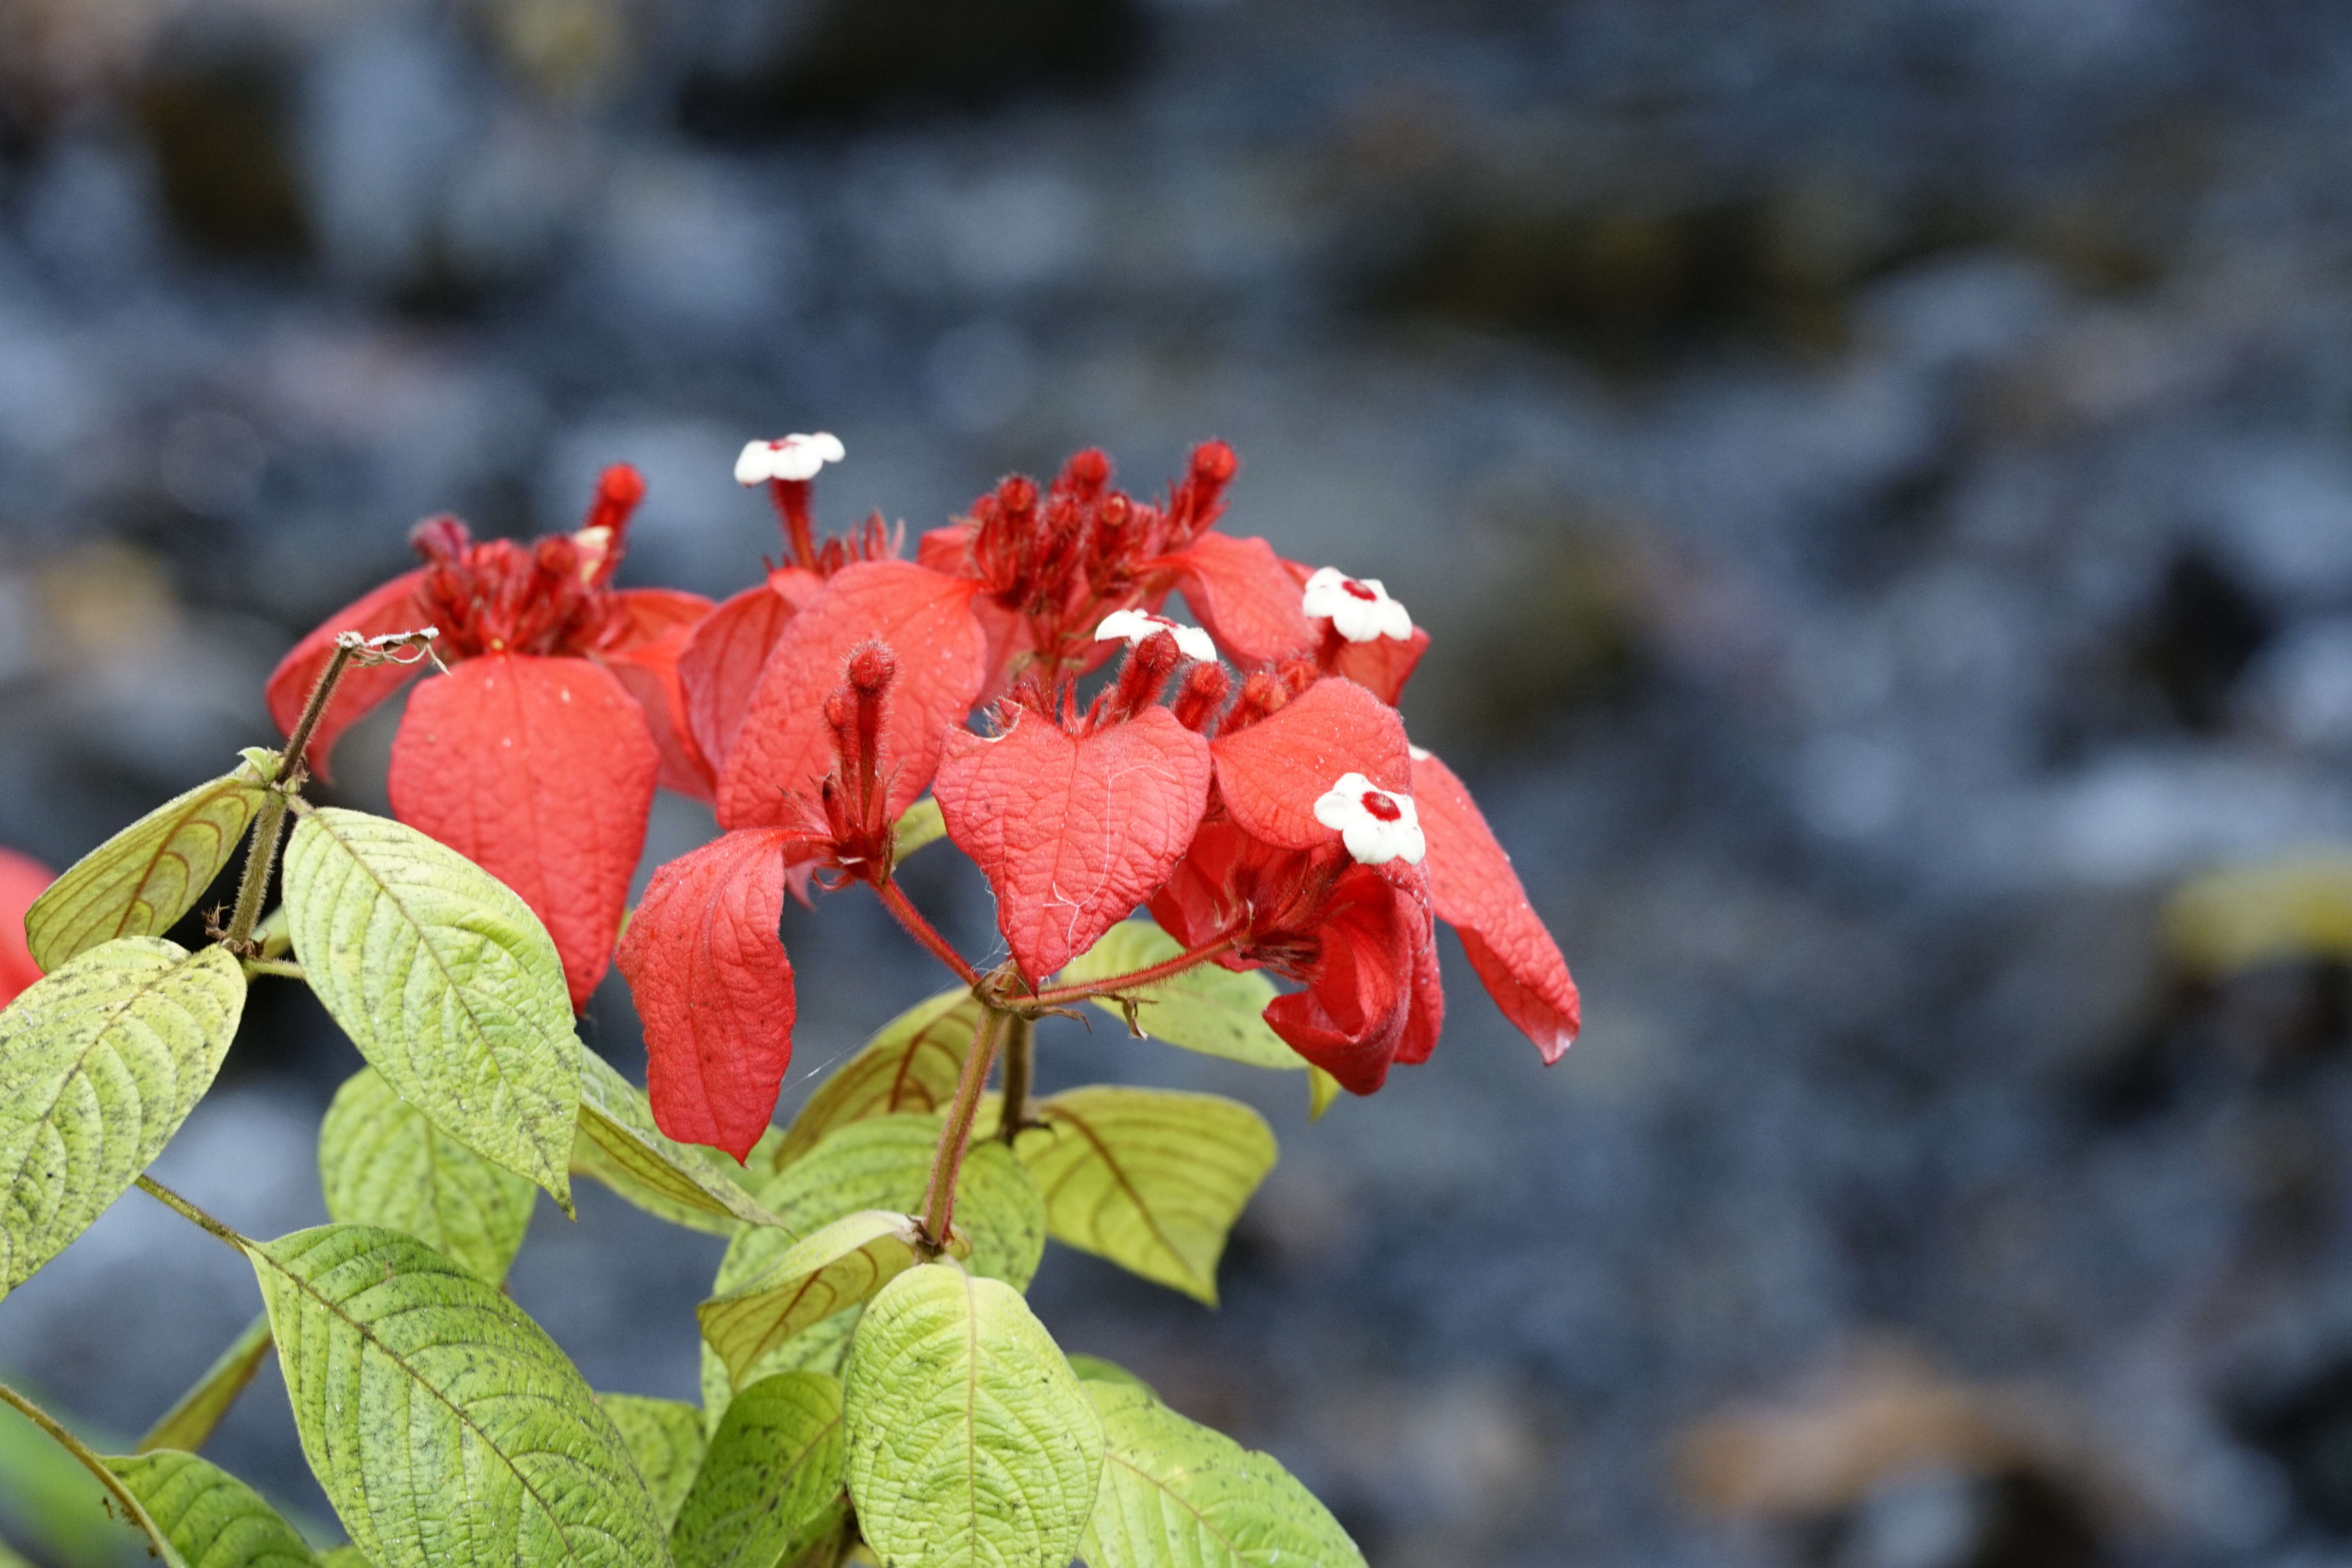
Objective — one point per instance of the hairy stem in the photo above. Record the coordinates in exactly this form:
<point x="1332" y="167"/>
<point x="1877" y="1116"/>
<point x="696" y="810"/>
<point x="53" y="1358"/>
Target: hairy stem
<point x="1020" y="1042"/>
<point x="262" y="853"/>
<point x="260" y="856"/>
<point x="1118" y="983"/>
<point x="955" y="1138"/>
<point x="922" y="930"/>
<point x="131" y="1506"/>
<point x="190" y="1212"/>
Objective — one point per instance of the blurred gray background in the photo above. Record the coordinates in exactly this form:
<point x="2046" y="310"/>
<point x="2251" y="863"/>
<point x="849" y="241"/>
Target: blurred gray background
<point x="1879" y="475"/>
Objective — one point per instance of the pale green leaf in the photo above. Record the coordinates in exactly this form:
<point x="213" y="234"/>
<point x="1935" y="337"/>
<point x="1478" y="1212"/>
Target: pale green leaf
<point x="187" y="1424"/>
<point x="1093" y="1369"/>
<point x="881" y="1162"/>
<point x="619" y="1144"/>
<point x="1204" y="1008"/>
<point x="447" y="982"/>
<point x="819" y="1349"/>
<point x="665" y="1442"/>
<point x="919" y="824"/>
<point x="344" y="1556"/>
<point x="1322" y="1088"/>
<point x="100" y="1063"/>
<point x="445" y="1425"/>
<point x="970" y="1439"/>
<point x="271" y="933"/>
<point x="141" y="880"/>
<point x="380" y="1162"/>
<point x="1149" y="1178"/>
<point x="910" y="1065"/>
<point x="884" y="1163"/>
<point x="772" y="1483"/>
<point x="1177" y="1495"/>
<point x="838" y="1267"/>
<point x="211" y="1519"/>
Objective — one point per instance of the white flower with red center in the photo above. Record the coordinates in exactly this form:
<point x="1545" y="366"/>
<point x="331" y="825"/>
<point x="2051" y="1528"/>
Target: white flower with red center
<point x="1358" y="608"/>
<point x="796" y="457"/>
<point x="1131" y="626"/>
<point x="1376" y="825"/>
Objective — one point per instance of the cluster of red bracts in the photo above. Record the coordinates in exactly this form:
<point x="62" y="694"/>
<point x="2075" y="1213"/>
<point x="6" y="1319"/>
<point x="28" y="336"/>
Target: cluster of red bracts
<point x="1289" y="826"/>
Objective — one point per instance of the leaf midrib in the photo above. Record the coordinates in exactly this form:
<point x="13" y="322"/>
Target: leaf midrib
<point x="417" y="1379"/>
<point x="424" y="941"/>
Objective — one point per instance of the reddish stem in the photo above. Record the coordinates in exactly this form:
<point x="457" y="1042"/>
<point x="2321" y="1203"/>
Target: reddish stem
<point x="922" y="930"/>
<point x="955" y="1137"/>
<point x="792" y="499"/>
<point x="1162" y="970"/>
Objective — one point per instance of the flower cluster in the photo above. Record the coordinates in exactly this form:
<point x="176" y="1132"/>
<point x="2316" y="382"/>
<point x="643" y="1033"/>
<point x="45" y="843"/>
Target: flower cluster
<point x="1248" y="779"/>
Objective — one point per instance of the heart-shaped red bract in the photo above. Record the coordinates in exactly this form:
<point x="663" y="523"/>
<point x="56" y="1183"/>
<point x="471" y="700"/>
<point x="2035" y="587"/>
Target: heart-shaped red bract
<point x="541" y="771"/>
<point x="1073" y="832"/>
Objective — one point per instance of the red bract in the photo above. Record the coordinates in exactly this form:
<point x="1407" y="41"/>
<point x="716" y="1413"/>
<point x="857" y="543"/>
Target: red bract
<point x="1076" y="823"/>
<point x="1477" y="892"/>
<point x="22" y="880"/>
<point x="540" y="765"/>
<point x="541" y="771"/>
<point x="714" y="988"/>
<point x="1271" y="773"/>
<point x="785" y="747"/>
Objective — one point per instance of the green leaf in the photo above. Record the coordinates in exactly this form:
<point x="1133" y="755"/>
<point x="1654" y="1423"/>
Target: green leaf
<point x="187" y="1424"/>
<point x="447" y="982"/>
<point x="382" y="1164"/>
<point x="446" y="1427"/>
<point x="919" y="824"/>
<point x="1093" y="1369"/>
<point x="212" y="1519"/>
<point x="835" y="1269"/>
<point x="882" y="1163"/>
<point x="1177" y="1495"/>
<point x="618" y="1143"/>
<point x="100" y="1063"/>
<point x="910" y="1065"/>
<point x="1149" y="1178"/>
<point x="970" y="1439"/>
<point x="1322" y="1088"/>
<point x="141" y="880"/>
<point x="344" y="1556"/>
<point x="665" y="1442"/>
<point x="772" y="1484"/>
<point x="824" y="1348"/>
<point x="1205" y="1008"/>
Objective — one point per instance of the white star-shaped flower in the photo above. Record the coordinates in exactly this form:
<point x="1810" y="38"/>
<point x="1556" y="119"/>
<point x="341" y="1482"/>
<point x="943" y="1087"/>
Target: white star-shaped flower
<point x="786" y="458"/>
<point x="1358" y="608"/>
<point x="1131" y="626"/>
<point x="1377" y="825"/>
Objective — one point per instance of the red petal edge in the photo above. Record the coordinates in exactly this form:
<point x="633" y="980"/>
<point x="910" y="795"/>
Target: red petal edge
<point x="390" y="608"/>
<point x="541" y="771"/>
<point x="719" y="667"/>
<point x="1073" y="834"/>
<point x="642" y="653"/>
<point x="1477" y="892"/>
<point x="714" y="987"/>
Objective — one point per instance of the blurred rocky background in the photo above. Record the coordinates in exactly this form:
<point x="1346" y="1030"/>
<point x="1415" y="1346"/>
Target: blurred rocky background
<point x="1879" y="473"/>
